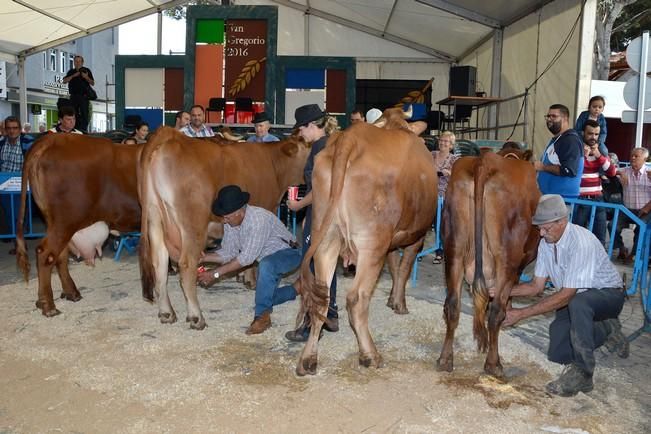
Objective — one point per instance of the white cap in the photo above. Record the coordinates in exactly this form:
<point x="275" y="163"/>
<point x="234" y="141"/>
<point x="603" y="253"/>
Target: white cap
<point x="373" y="115"/>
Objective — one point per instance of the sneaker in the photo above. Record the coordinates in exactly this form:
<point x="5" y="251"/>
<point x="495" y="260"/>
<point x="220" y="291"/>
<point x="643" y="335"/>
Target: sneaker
<point x="616" y="342"/>
<point x="572" y="381"/>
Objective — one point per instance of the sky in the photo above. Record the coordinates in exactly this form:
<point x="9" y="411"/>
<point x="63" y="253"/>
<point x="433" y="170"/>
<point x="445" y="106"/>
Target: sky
<point x="139" y="37"/>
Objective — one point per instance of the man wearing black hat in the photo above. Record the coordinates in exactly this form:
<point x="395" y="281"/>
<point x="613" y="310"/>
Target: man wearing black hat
<point x="262" y="125"/>
<point x="589" y="299"/>
<point x="314" y="125"/>
<point x="253" y="234"/>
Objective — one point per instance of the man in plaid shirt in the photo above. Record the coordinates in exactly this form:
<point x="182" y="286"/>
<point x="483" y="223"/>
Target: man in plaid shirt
<point x="253" y="234"/>
<point x="636" y="182"/>
<point x="196" y="127"/>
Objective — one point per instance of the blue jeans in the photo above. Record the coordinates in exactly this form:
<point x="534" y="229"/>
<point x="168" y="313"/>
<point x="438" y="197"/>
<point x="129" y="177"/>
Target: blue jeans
<point x="582" y="218"/>
<point x="270" y="269"/>
<point x="578" y="328"/>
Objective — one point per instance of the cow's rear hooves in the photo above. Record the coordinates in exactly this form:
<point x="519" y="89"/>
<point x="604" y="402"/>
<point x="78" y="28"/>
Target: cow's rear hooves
<point x="371" y="362"/>
<point x="167" y="317"/>
<point x="71" y="297"/>
<point x="306" y="366"/>
<point x="51" y="312"/>
<point x="496" y="371"/>
<point x="446" y="366"/>
<point x="400" y="310"/>
<point x="197" y="323"/>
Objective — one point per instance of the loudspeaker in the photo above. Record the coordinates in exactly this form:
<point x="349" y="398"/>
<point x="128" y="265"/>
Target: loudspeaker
<point x="463" y="81"/>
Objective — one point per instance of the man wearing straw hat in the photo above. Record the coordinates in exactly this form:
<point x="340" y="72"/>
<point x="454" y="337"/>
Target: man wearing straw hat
<point x="589" y="296"/>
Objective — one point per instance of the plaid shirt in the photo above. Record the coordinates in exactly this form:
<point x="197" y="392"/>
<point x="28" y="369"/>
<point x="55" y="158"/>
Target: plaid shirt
<point x="637" y="191"/>
<point x="204" y="131"/>
<point x="11" y="156"/>
<point x="260" y="234"/>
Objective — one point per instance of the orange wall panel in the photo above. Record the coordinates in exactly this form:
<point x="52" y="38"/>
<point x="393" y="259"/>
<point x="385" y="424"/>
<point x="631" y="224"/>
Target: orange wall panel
<point x="208" y="72"/>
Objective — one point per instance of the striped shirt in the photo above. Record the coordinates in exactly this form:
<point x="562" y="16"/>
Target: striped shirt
<point x="259" y="235"/>
<point x="637" y="188"/>
<point x="578" y="260"/>
<point x="590" y="180"/>
<point x="204" y="131"/>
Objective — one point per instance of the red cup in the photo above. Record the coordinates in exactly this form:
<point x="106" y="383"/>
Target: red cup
<point x="292" y="193"/>
<point x="201" y="269"/>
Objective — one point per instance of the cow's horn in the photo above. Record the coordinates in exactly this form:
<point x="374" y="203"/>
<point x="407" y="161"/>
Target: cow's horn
<point x="410" y="111"/>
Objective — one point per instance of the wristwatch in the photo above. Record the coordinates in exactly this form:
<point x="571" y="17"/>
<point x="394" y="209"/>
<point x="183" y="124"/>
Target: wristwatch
<point x="216" y="275"/>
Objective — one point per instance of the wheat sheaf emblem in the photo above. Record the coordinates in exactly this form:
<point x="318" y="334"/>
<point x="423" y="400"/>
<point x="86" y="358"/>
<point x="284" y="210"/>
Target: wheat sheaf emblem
<point x="250" y="69"/>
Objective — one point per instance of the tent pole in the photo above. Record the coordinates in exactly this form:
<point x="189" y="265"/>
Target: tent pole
<point x="22" y="91"/>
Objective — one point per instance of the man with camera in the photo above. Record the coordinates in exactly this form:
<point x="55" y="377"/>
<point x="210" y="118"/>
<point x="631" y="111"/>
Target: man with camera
<point x="593" y="165"/>
<point x="79" y="80"/>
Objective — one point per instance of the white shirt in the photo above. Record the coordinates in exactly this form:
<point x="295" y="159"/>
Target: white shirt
<point x="580" y="261"/>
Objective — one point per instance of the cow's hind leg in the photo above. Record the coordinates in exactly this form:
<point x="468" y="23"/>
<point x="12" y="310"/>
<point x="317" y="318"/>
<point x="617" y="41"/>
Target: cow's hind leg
<point x="369" y="265"/>
<point x="47" y="253"/>
<point x="160" y="261"/>
<point x="393" y="261"/>
<point x="451" y="311"/>
<point x="400" y="278"/>
<point x="188" y="273"/>
<point x="325" y="264"/>
<point x="496" y="314"/>
<point x="70" y="291"/>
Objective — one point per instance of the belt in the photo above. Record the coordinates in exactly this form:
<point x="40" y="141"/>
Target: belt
<point x="597" y="198"/>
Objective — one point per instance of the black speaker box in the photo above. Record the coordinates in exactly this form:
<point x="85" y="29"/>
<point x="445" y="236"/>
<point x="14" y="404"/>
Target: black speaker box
<point x="463" y="81"/>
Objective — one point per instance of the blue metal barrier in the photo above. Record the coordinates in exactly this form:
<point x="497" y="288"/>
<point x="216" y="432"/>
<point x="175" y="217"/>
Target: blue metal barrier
<point x="128" y="241"/>
<point x="10" y="198"/>
<point x="437" y="241"/>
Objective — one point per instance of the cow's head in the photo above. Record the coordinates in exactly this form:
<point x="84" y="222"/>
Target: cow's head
<point x="513" y="150"/>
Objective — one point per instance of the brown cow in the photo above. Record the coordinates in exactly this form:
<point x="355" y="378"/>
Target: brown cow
<point x="180" y="177"/>
<point x="488" y="239"/>
<point x="374" y="191"/>
<point x="76" y="181"/>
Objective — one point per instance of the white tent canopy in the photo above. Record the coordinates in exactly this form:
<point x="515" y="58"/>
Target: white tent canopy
<point x="30" y="26"/>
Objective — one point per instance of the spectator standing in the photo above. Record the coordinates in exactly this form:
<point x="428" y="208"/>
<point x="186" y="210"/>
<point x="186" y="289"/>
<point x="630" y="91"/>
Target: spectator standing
<point x="357" y="116"/>
<point x="13" y="146"/>
<point x="444" y="158"/>
<point x="594" y="163"/>
<point x="42" y="128"/>
<point x="79" y="79"/>
<point x="141" y="132"/>
<point x="595" y="113"/>
<point x="561" y="165"/>
<point x="197" y="127"/>
<point x="262" y="125"/>
<point x="636" y="184"/>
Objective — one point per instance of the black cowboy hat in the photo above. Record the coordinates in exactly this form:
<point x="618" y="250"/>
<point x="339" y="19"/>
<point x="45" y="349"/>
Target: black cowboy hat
<point x="307" y="113"/>
<point x="229" y="199"/>
<point x="260" y="117"/>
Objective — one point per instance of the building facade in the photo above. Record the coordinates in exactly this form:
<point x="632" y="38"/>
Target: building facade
<point x="44" y="72"/>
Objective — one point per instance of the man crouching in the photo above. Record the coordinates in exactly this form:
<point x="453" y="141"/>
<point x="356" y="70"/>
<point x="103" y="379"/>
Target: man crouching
<point x="589" y="299"/>
<point x="253" y="234"/>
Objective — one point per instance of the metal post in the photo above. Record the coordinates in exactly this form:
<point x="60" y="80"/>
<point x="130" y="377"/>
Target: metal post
<point x="159" y="36"/>
<point x="22" y="91"/>
<point x="644" y="65"/>
<point x="525" y="119"/>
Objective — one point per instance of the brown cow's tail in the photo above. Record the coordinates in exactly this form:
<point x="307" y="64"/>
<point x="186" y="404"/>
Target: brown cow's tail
<point x="145" y="190"/>
<point x="478" y="287"/>
<point x="22" y="258"/>
<point x="315" y="293"/>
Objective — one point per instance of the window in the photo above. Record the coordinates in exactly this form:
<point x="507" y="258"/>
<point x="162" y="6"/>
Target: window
<point x="62" y="63"/>
<point x="71" y="61"/>
<point x="53" y="60"/>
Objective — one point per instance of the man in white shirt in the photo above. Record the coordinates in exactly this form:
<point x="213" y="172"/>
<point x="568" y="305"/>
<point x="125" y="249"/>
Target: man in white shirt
<point x="196" y="127"/>
<point x="589" y="297"/>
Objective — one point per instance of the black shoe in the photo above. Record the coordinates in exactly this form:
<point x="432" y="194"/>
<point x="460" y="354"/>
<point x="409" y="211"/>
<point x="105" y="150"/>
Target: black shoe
<point x="616" y="342"/>
<point x="331" y="325"/>
<point x="572" y="381"/>
<point x="299" y="335"/>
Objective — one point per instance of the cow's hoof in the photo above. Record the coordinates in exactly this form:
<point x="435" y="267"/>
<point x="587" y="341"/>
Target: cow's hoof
<point x="400" y="309"/>
<point x="76" y="296"/>
<point x="370" y="362"/>
<point x="444" y="365"/>
<point x="390" y="302"/>
<point x="196" y="323"/>
<point x="306" y="366"/>
<point x="495" y="370"/>
<point x="167" y="317"/>
<point x="49" y="313"/>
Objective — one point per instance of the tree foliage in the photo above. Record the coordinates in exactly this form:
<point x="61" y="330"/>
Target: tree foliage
<point x="178" y="12"/>
<point x="632" y="21"/>
<point x="607" y="12"/>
